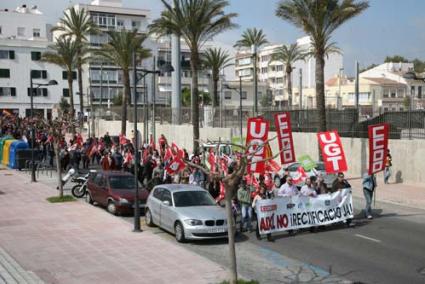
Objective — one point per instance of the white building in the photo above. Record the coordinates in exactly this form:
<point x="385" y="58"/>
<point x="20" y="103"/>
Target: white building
<point x="23" y="39"/>
<point x="403" y="74"/>
<point x="104" y="79"/>
<point x="274" y="73"/>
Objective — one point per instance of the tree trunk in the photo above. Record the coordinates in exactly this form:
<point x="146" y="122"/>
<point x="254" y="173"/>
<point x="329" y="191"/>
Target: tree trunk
<point x="320" y="91"/>
<point x="195" y="99"/>
<point x="216" y="101"/>
<point x="289" y="87"/>
<point x="231" y="235"/>
<point x="125" y="100"/>
<point x="58" y="168"/>
<point x="80" y="86"/>
<point x="71" y="101"/>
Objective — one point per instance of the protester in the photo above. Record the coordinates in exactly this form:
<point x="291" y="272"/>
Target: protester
<point x="340" y="183"/>
<point x="388" y="165"/>
<point x="308" y="189"/>
<point x="244" y="198"/>
<point x="287" y="189"/>
<point x="369" y="185"/>
<point x="263" y="194"/>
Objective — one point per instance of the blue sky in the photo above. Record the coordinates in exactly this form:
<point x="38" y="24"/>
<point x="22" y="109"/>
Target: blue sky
<point x="388" y="27"/>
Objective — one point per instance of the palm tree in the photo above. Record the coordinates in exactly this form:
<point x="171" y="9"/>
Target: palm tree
<point x="215" y="59"/>
<point x="64" y="54"/>
<point x="319" y="19"/>
<point x="252" y="37"/>
<point x="196" y="21"/>
<point x="78" y="25"/>
<point x="119" y="50"/>
<point x="288" y="55"/>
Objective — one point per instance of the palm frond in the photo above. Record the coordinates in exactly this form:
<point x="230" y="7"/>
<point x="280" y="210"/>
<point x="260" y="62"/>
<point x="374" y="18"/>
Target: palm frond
<point x="252" y="37"/>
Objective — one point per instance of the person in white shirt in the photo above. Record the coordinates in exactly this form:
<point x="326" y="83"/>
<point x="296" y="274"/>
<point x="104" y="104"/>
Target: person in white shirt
<point x="308" y="189"/>
<point x="288" y="189"/>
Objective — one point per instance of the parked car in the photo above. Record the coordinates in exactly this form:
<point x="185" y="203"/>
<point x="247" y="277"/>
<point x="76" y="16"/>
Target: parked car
<point x="116" y="191"/>
<point x="187" y="211"/>
<point x="319" y="169"/>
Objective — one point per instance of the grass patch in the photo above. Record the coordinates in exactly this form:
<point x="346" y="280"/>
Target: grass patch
<point x="57" y="199"/>
<point x="241" y="281"/>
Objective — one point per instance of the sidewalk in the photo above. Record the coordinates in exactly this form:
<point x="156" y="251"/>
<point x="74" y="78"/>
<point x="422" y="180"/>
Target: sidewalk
<point x="397" y="193"/>
<point x="76" y="243"/>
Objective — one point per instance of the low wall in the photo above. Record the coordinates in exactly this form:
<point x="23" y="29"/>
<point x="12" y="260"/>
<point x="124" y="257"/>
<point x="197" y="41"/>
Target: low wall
<point x="408" y="155"/>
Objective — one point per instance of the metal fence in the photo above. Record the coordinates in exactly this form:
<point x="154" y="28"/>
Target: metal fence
<point x="403" y="124"/>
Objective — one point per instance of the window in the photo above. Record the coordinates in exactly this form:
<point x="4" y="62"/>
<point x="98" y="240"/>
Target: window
<point x="386" y="93"/>
<point x="227" y="95"/>
<point x="244" y="95"/>
<point x="393" y="93"/>
<point x="36" y="32"/>
<point x="21" y="31"/>
<point x="38" y="92"/>
<point x="65" y="92"/>
<point x="279" y="80"/>
<point x="419" y="92"/>
<point x="65" y="75"/>
<point x="135" y="24"/>
<point x="244" y="61"/>
<point x="158" y="193"/>
<point x="166" y="196"/>
<point x="39" y="74"/>
<point x="8" y="92"/>
<point x="4" y="73"/>
<point x="279" y="68"/>
<point x="263" y="70"/>
<point x="35" y="55"/>
<point x="120" y="23"/>
<point x="7" y="54"/>
<point x="0" y="30"/>
<point x="412" y="90"/>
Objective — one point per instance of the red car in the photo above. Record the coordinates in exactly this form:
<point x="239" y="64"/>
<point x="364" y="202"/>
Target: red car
<point x="116" y="191"/>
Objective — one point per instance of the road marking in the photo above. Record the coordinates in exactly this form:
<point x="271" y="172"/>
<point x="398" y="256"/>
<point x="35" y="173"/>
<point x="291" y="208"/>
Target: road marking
<point x="368" y="238"/>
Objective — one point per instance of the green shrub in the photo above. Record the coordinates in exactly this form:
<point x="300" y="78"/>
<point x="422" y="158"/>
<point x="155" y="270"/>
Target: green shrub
<point x="57" y="199"/>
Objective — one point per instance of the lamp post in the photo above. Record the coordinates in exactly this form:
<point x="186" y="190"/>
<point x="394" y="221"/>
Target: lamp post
<point x="254" y="56"/>
<point x="339" y="98"/>
<point x="226" y="86"/>
<point x="167" y="68"/>
<point x="38" y="85"/>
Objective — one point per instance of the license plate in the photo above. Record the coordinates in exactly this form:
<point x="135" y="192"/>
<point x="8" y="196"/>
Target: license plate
<point x="216" y="230"/>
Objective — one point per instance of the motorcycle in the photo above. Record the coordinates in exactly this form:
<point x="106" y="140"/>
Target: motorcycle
<point x="79" y="190"/>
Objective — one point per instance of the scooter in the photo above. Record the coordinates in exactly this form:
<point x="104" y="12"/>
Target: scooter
<point x="67" y="177"/>
<point x="79" y="190"/>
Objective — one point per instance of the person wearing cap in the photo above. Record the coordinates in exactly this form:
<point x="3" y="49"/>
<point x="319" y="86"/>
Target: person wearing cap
<point x="288" y="189"/>
<point x="340" y="183"/>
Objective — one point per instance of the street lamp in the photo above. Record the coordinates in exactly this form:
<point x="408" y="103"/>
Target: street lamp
<point x="165" y="68"/>
<point x="254" y="55"/>
<point x="38" y="85"/>
<point x="339" y="98"/>
<point x="226" y="86"/>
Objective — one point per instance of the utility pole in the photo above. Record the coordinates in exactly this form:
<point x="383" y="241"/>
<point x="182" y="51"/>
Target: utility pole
<point x="153" y="98"/>
<point x="339" y="98"/>
<point x="101" y="84"/>
<point x="254" y="56"/>
<point x="357" y="86"/>
<point x="240" y="107"/>
<point x="301" y="88"/>
<point x="176" y="86"/>
<point x="136" y="146"/>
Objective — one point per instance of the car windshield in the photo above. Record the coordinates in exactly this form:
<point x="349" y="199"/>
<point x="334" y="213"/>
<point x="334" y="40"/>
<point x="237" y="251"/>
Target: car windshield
<point x="122" y="182"/>
<point x="193" y="198"/>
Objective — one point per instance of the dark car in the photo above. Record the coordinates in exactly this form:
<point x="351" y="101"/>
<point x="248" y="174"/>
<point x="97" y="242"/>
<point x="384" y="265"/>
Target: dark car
<point x="116" y="191"/>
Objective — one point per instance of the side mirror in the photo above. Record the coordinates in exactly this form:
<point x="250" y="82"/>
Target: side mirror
<point x="166" y="203"/>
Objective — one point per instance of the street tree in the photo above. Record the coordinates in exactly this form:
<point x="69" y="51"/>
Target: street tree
<point x="319" y="20"/>
<point x="288" y="55"/>
<point x="215" y="59"/>
<point x="196" y="21"/>
<point x="77" y="24"/>
<point x="119" y="50"/>
<point x="64" y="54"/>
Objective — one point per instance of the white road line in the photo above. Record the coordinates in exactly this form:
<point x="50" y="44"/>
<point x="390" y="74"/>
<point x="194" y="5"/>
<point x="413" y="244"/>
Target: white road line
<point x="367" y="238"/>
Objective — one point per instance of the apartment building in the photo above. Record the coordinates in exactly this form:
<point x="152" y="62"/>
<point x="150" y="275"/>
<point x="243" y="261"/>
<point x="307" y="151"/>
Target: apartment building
<point x="23" y="39"/>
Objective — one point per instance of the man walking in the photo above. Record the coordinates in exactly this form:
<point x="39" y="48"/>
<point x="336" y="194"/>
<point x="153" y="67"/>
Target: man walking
<point x="369" y="185"/>
<point x="244" y="197"/>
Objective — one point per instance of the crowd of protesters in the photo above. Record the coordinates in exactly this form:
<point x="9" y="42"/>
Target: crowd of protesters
<point x="117" y="153"/>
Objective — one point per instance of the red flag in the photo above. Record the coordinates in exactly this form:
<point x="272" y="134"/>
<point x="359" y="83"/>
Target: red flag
<point x="284" y="135"/>
<point x="211" y="160"/>
<point x="222" y="192"/>
<point x="299" y="176"/>
<point x="123" y="139"/>
<point x="175" y="166"/>
<point x="168" y="154"/>
<point x="378" y="147"/>
<point x="272" y="166"/>
<point x="332" y="152"/>
<point x="152" y="142"/>
<point x="258" y="130"/>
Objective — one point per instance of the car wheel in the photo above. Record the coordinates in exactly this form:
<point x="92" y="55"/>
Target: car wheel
<point x="148" y="218"/>
<point x="111" y="207"/>
<point x="89" y="200"/>
<point x="179" y="232"/>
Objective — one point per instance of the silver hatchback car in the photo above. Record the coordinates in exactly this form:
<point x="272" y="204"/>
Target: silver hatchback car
<point x="187" y="211"/>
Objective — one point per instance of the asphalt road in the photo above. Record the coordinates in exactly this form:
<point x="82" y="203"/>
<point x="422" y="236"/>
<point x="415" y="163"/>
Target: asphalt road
<point x="388" y="249"/>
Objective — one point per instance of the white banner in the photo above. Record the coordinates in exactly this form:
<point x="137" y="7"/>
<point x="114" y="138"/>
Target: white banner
<point x="288" y="213"/>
